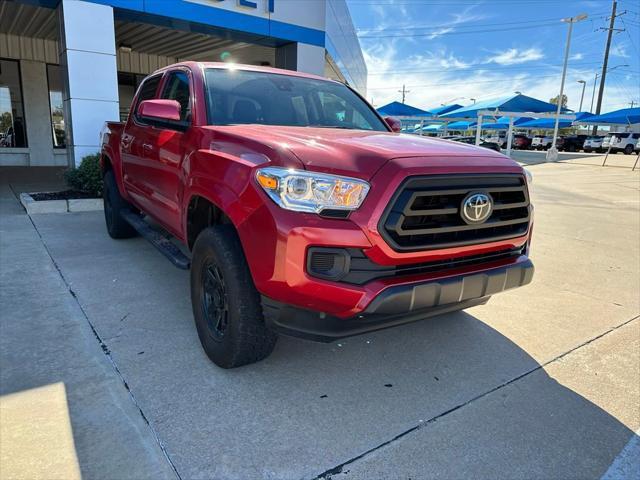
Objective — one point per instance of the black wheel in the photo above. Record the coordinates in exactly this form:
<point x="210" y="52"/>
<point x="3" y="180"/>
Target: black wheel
<point x="628" y="150"/>
<point x="113" y="205"/>
<point x="226" y="305"/>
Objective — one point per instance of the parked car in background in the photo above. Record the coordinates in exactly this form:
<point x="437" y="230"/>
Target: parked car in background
<point x="593" y="143"/>
<point x="637" y="149"/>
<point x="541" y="142"/>
<point x="521" y="141"/>
<point x="304" y="211"/>
<point x="499" y="138"/>
<point x="623" y="142"/>
<point x="472" y="141"/>
<point x="573" y="143"/>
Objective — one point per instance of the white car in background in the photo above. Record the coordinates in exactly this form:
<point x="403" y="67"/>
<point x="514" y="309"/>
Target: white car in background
<point x="593" y="143"/>
<point x="500" y="138"/>
<point x="541" y="142"/>
<point x="621" y="142"/>
<point x="637" y="149"/>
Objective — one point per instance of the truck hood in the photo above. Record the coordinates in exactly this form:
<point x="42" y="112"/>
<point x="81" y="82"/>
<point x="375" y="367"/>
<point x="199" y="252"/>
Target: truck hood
<point x="361" y="154"/>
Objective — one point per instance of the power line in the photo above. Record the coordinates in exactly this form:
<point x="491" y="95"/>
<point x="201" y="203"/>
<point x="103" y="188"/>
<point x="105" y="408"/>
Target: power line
<point x="455" y="84"/>
<point x="476" y="66"/>
<point x="630" y="39"/>
<point x="447" y="2"/>
<point x="474" y="25"/>
<point x="466" y="32"/>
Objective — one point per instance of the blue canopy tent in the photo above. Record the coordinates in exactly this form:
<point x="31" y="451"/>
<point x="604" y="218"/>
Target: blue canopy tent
<point x="397" y="109"/>
<point x="462" y="125"/>
<point x="549" y="123"/>
<point x="503" y="123"/>
<point x="435" y="127"/>
<point x="512" y="103"/>
<point x="626" y="116"/>
<point x="444" y="109"/>
<point x="509" y="106"/>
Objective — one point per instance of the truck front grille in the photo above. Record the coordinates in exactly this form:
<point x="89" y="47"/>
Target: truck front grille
<point x="424" y="213"/>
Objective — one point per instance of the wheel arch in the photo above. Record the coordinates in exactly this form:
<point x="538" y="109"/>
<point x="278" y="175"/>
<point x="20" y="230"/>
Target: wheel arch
<point x="202" y="213"/>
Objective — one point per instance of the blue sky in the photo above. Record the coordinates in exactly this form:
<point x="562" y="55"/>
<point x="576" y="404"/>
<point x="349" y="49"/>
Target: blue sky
<point x="443" y="50"/>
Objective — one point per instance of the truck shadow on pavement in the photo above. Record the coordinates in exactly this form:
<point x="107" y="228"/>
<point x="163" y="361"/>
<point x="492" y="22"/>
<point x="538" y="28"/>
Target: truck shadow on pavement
<point x="447" y="397"/>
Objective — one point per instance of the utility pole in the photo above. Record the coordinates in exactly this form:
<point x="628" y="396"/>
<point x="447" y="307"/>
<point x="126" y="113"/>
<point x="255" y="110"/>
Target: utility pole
<point x="632" y="103"/>
<point x="404" y="93"/>
<point x="603" y="75"/>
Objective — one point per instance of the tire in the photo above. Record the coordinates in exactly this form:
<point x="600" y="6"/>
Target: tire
<point x="226" y="305"/>
<point x="628" y="150"/>
<point x="113" y="205"/>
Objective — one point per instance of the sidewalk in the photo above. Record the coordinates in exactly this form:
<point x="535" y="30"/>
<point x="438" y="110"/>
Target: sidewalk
<point x="64" y="410"/>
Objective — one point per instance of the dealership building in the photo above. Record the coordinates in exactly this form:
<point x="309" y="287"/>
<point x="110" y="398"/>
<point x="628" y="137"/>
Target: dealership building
<point x="67" y="66"/>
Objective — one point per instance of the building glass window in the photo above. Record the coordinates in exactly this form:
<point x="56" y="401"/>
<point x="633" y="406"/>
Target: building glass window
<point x="13" y="132"/>
<point x="58" y="128"/>
<point x="128" y="84"/>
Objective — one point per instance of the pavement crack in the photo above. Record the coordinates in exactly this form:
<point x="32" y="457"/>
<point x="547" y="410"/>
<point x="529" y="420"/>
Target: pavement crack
<point x="107" y="352"/>
<point x="327" y="474"/>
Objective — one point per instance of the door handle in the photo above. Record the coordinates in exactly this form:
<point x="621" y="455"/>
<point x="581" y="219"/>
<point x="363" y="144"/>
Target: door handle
<point x="147" y="147"/>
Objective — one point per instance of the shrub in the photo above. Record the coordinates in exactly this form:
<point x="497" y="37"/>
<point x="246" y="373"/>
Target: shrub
<point x="86" y="178"/>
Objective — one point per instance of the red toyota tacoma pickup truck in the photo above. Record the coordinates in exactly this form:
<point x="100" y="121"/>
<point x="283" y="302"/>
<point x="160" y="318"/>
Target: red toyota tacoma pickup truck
<point x="302" y="211"/>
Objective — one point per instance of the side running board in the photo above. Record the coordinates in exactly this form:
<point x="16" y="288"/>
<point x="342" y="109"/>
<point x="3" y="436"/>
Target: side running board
<point x="164" y="245"/>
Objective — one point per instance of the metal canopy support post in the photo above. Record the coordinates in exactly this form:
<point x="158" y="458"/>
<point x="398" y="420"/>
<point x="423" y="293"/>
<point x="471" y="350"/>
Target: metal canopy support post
<point x="446" y="128"/>
<point x="510" y="136"/>
<point x="478" y="129"/>
<point x="607" y="155"/>
<point x="421" y="127"/>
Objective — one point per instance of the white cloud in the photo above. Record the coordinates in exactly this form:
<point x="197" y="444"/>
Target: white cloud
<point x="440" y="32"/>
<point x="440" y="76"/>
<point x="619" y="51"/>
<point x="576" y="56"/>
<point x="513" y="56"/>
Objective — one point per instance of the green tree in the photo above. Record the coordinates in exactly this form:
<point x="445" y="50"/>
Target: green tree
<point x="554" y="100"/>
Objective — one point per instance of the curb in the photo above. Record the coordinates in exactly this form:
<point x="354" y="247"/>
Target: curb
<point x="59" y="206"/>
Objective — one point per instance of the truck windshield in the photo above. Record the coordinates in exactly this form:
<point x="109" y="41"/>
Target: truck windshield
<point x="246" y="97"/>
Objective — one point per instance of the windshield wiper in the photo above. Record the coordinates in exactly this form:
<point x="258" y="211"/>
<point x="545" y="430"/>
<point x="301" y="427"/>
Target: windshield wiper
<point x="331" y="126"/>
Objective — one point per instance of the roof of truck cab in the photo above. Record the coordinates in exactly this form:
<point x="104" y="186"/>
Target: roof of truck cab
<point x="248" y="68"/>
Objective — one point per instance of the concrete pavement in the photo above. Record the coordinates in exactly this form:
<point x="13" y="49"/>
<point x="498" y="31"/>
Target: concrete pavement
<point x="541" y="382"/>
<point x="64" y="408"/>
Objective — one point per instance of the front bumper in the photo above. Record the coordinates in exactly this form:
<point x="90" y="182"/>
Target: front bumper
<point x="277" y="244"/>
<point x="399" y="304"/>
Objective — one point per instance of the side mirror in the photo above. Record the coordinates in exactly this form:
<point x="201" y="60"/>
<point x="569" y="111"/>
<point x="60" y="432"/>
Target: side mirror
<point x="160" y="110"/>
<point x="394" y="124"/>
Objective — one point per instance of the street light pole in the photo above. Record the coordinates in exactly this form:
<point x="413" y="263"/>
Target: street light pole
<point x="552" y="153"/>
<point x="584" y="84"/>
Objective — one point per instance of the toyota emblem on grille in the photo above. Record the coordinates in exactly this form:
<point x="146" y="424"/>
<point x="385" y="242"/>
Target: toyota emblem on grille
<point x="476" y="207"/>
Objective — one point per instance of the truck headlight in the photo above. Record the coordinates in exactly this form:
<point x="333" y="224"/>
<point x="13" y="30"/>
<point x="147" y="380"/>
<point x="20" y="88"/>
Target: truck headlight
<point x="304" y="191"/>
<point x="529" y="177"/>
